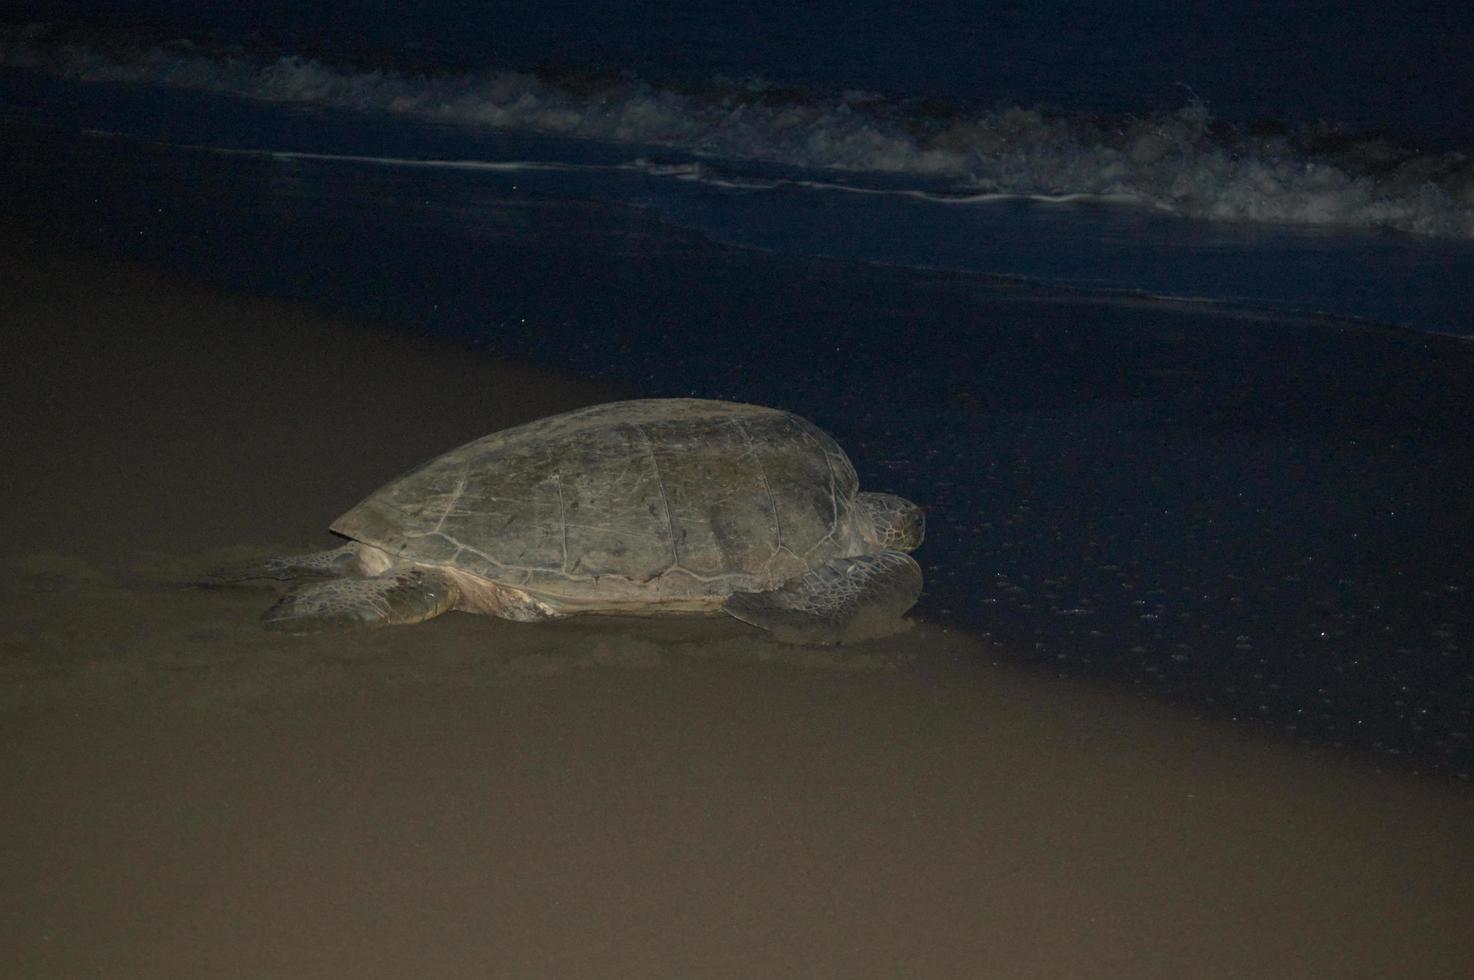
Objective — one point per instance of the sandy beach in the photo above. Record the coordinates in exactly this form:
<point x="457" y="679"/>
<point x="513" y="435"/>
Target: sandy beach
<point x="186" y="795"/>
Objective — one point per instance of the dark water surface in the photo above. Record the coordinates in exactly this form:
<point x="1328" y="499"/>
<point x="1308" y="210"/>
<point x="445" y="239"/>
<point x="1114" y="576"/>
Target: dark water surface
<point x="1364" y="65"/>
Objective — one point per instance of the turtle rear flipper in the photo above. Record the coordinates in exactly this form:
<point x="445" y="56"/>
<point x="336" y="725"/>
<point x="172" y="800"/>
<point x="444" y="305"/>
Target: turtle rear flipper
<point x="350" y="603"/>
<point x="839" y="600"/>
<point x="319" y="564"/>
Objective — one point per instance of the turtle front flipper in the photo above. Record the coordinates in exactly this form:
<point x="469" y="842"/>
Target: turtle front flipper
<point x="350" y="603"/>
<point x="843" y="599"/>
<point x="319" y="564"/>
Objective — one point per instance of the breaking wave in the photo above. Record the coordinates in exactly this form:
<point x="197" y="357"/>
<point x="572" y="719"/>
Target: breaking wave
<point x="1182" y="162"/>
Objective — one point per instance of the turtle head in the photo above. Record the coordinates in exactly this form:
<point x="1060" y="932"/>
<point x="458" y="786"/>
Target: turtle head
<point x="889" y="521"/>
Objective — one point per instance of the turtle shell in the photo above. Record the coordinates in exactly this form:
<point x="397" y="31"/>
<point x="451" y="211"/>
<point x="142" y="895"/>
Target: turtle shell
<point x="653" y="500"/>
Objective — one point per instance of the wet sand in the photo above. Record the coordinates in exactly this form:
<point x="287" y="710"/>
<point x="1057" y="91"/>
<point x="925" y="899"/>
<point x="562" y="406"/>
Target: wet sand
<point x="186" y="795"/>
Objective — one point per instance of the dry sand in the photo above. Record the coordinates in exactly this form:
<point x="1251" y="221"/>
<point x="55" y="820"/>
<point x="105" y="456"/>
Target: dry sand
<point x="188" y="796"/>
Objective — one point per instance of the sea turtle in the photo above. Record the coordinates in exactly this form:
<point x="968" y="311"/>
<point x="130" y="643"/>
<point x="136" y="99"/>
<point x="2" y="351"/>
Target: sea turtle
<point x="637" y="507"/>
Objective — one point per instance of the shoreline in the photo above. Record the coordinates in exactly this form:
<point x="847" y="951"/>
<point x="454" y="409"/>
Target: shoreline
<point x="188" y="795"/>
<point x="284" y="414"/>
<point x="351" y="428"/>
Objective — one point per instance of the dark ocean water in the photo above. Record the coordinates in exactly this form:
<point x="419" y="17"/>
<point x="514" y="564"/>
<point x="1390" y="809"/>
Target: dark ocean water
<point x="1324" y="116"/>
<point x="1265" y="516"/>
<point x="1402" y="68"/>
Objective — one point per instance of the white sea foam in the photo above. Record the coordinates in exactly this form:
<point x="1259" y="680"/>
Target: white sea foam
<point x="1179" y="162"/>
